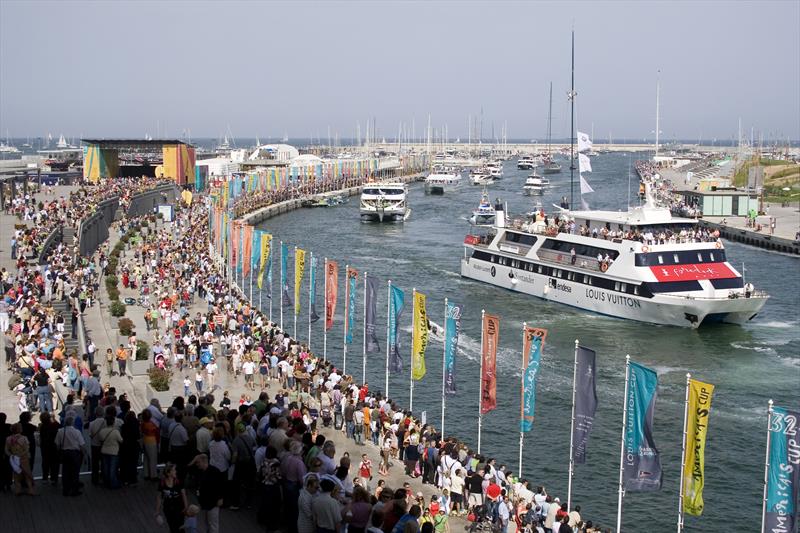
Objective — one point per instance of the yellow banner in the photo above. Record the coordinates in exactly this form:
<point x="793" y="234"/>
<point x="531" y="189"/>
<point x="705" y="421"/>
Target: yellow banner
<point x="299" y="270"/>
<point x="696" y="427"/>
<point x="420" y="339"/>
<point x="266" y="239"/>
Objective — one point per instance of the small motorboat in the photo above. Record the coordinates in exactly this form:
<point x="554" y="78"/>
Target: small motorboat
<point x="485" y="214"/>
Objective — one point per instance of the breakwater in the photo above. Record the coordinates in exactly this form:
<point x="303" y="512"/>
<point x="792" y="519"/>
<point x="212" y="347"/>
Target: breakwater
<point x="752" y="238"/>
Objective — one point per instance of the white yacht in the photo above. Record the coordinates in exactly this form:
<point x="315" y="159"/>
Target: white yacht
<point x="535" y="185"/>
<point x="643" y="264"/>
<point x="441" y="180"/>
<point x="485" y="214"/>
<point x="495" y="169"/>
<point x="384" y="202"/>
<point x="526" y="162"/>
<point x="480" y="176"/>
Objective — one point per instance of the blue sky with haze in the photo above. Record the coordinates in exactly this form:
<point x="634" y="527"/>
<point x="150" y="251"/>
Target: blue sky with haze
<point x="122" y="68"/>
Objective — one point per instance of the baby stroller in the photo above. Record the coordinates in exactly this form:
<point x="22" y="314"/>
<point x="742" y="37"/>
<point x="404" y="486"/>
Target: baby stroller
<point x="326" y="417"/>
<point x="480" y="520"/>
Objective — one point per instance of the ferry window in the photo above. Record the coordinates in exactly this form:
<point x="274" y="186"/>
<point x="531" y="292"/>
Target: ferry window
<point x="660" y="259"/>
<point x="623" y="287"/>
<point x="616" y="285"/>
<point x="636" y="290"/>
<point x="699" y="257"/>
<point x="711" y="255"/>
<point x="586" y="279"/>
<point x="675" y="258"/>
<point x="540" y="269"/>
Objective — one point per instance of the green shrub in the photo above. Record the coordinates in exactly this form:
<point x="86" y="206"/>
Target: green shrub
<point x="125" y="238"/>
<point x="159" y="378"/>
<point x="112" y="281"/>
<point x="142" y="351"/>
<point x="113" y="294"/>
<point x="125" y="326"/>
<point x="117" y="308"/>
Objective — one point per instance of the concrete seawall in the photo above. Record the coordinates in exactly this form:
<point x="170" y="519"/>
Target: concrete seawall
<point x="752" y="238"/>
<point x="264" y="213"/>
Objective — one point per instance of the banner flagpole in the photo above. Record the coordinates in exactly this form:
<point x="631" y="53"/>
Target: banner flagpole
<point x="411" y="366"/>
<point x="480" y="388"/>
<point x="766" y="468"/>
<point x="444" y="365"/>
<point x="572" y="431"/>
<point x="325" y="318"/>
<point x="346" y="317"/>
<point x="282" y="288"/>
<point x="298" y="296"/>
<point x="251" y="281"/>
<point x="683" y="454"/>
<point x="522" y="401"/>
<point x="388" y="319"/>
<point x="310" y="288"/>
<point x="364" y="347"/>
<point x="622" y="443"/>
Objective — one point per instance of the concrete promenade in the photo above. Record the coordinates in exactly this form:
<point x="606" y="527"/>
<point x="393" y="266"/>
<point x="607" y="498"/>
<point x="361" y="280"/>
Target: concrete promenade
<point x="784" y="239"/>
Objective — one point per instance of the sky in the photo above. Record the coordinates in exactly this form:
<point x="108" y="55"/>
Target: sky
<point x="126" y="69"/>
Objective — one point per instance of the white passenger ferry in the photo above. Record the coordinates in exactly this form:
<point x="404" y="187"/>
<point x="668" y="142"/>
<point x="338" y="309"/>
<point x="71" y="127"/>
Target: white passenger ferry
<point x="441" y="180"/>
<point x="642" y="265"/>
<point x="384" y="202"/>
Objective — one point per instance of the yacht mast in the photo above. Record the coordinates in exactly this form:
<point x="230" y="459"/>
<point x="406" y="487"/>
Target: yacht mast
<point x="571" y="127"/>
<point x="658" y="96"/>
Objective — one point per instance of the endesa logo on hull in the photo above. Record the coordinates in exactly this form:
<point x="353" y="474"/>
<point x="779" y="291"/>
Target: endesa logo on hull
<point x="692" y="272"/>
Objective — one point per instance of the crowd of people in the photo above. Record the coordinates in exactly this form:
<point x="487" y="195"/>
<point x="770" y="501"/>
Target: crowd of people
<point x="63" y="212"/>
<point x="267" y="451"/>
<point x="249" y="201"/>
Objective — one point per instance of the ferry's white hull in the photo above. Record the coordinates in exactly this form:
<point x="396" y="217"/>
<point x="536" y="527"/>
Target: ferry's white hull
<point x="440" y="188"/>
<point x="383" y="214"/>
<point x="660" y="309"/>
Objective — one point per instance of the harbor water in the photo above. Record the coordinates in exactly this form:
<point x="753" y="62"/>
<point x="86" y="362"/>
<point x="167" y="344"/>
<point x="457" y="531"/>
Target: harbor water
<point x="748" y="364"/>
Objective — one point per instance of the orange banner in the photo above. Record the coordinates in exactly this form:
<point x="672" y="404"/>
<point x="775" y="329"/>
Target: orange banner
<point x="234" y="244"/>
<point x="331" y="291"/>
<point x="491" y="338"/>
<point x="248" y="249"/>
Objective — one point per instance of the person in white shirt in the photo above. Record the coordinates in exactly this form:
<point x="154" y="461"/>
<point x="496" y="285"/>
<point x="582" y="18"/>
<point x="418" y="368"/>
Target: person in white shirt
<point x="249" y="367"/>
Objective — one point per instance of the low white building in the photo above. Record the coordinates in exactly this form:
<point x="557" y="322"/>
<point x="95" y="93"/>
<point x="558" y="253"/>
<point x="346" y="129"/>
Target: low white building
<point x="218" y="166"/>
<point x="274" y="152"/>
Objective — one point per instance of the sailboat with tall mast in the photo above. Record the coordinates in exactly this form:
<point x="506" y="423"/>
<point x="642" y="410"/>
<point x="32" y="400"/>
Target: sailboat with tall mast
<point x="550" y="166"/>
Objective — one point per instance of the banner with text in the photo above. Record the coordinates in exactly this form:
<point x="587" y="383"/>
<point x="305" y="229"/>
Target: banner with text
<point x="491" y="339"/>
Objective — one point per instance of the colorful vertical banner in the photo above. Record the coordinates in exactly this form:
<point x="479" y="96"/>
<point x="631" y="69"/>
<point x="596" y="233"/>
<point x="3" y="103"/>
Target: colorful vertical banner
<point x="396" y="300"/>
<point x="783" y="472"/>
<point x="491" y="338"/>
<point x="286" y="301"/>
<point x="255" y="256"/>
<point x="331" y="291"/>
<point x="266" y="259"/>
<point x="452" y="327"/>
<point x="698" y="410"/>
<point x="299" y="272"/>
<point x="370" y="313"/>
<point x="642" y="462"/>
<point x="312" y="296"/>
<point x="585" y="403"/>
<point x="532" y="346"/>
<point x="234" y="244"/>
<point x="247" y="249"/>
<point x="350" y="304"/>
<point x="420" y="337"/>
